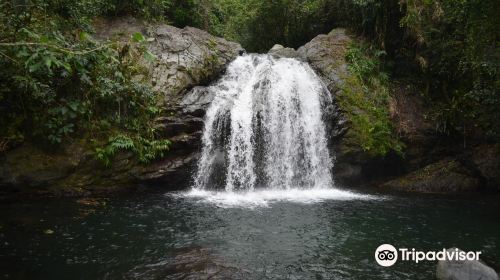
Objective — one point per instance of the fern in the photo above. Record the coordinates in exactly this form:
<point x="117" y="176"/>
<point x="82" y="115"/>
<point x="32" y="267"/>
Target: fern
<point x="145" y="149"/>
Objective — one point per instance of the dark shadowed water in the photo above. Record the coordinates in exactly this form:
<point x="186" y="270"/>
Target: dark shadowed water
<point x="174" y="236"/>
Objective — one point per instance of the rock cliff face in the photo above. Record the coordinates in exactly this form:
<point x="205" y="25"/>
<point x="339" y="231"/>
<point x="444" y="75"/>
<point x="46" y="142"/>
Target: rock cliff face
<point x="186" y="59"/>
<point x="432" y="162"/>
<point x="326" y="54"/>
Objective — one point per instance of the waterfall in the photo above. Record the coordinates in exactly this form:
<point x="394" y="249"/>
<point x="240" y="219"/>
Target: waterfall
<point x="265" y="128"/>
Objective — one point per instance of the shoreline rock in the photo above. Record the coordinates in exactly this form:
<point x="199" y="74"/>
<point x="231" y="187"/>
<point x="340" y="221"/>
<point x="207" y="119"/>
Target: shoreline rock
<point x="444" y="176"/>
<point x="464" y="270"/>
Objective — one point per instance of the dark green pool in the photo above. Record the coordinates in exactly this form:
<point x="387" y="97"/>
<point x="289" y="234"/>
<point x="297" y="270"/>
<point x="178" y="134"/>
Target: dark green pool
<point x="172" y="236"/>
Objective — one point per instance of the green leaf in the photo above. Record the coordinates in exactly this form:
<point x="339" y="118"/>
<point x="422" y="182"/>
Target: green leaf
<point x="138" y="37"/>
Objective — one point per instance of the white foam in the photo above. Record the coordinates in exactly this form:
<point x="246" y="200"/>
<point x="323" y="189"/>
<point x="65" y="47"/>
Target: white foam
<point x="263" y="198"/>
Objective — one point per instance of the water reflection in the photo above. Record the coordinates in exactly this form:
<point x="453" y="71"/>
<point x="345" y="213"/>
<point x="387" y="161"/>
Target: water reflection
<point x="172" y="237"/>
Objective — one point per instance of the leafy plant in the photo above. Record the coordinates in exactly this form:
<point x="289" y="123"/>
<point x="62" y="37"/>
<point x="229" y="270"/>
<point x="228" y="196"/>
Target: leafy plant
<point x="365" y="99"/>
<point x="145" y="148"/>
<point x="61" y="83"/>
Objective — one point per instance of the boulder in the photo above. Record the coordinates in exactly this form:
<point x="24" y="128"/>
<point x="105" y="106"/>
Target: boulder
<point x="185" y="57"/>
<point x="464" y="270"/>
<point x="445" y="176"/>
<point x="326" y="55"/>
<point x="279" y="51"/>
<point x="188" y="263"/>
<point x="31" y="167"/>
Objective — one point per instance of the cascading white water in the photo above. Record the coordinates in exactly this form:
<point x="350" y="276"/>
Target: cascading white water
<point x="265" y="129"/>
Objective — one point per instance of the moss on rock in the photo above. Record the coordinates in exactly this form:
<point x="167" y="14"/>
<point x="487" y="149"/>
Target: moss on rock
<point x="445" y="176"/>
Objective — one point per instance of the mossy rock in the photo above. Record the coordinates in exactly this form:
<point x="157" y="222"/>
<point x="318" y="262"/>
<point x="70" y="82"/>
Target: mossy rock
<point x="445" y="176"/>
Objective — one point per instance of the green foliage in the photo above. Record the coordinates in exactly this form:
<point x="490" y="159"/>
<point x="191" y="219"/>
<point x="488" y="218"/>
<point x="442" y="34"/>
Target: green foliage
<point x="177" y="12"/>
<point x="452" y="46"/>
<point x="59" y="82"/>
<point x="456" y="45"/>
<point x="258" y="25"/>
<point x="365" y="99"/>
<point x="145" y="148"/>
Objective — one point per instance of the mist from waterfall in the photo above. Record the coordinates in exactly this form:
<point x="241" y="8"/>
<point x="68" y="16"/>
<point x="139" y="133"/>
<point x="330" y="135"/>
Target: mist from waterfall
<point x="264" y="128"/>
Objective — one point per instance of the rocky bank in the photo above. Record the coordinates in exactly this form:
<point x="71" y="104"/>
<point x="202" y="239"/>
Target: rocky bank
<point x="432" y="162"/>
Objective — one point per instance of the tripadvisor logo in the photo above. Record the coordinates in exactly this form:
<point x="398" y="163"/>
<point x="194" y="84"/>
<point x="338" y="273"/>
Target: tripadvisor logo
<point x="387" y="255"/>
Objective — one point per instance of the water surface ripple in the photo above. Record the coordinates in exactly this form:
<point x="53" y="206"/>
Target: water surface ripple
<point x="185" y="236"/>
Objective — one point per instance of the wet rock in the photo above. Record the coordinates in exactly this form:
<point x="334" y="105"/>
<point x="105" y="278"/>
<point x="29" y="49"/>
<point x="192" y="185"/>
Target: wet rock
<point x="172" y="171"/>
<point x="280" y="51"/>
<point x="187" y="60"/>
<point x="326" y="55"/>
<point x="188" y="263"/>
<point x="445" y="176"/>
<point x="196" y="101"/>
<point x="171" y="126"/>
<point x="75" y="171"/>
<point x="31" y="167"/>
<point x="464" y="270"/>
